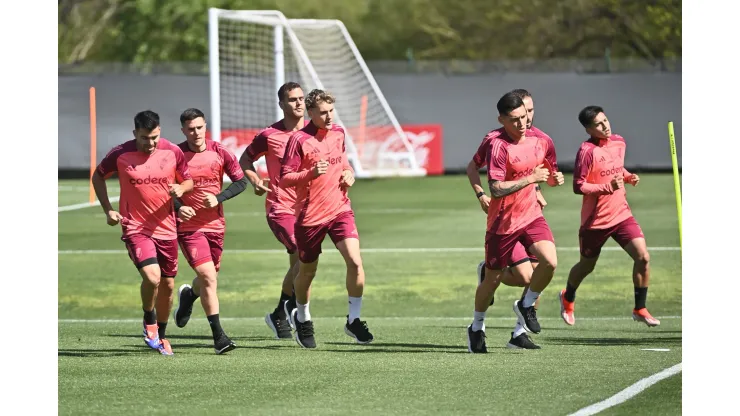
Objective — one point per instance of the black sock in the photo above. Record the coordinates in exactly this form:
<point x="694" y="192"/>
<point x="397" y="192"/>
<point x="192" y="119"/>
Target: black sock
<point x="192" y="294"/>
<point x="279" y="310"/>
<point x="640" y="297"/>
<point x="215" y="324"/>
<point x="570" y="293"/>
<point x="162" y="329"/>
<point x="150" y="318"/>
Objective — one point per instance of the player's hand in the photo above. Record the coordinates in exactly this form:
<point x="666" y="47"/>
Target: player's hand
<point x="556" y="179"/>
<point x="261" y="186"/>
<point x="485" y="202"/>
<point x="210" y="201"/>
<point x="633" y="180"/>
<point x="320" y="168"/>
<point x="540" y="174"/>
<point x="348" y="178"/>
<point x="541" y="200"/>
<point x="185" y="213"/>
<point x="617" y="182"/>
<point x="176" y="190"/>
<point x="113" y="217"/>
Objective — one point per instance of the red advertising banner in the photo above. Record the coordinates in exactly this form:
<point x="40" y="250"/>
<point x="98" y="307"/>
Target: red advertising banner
<point x="425" y="139"/>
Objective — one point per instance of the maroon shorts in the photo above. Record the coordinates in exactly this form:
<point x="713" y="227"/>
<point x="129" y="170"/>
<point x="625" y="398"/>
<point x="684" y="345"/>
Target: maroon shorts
<point x="500" y="247"/>
<point x="591" y="239"/>
<point x="309" y="239"/>
<point x="520" y="254"/>
<point x="145" y="250"/>
<point x="283" y="226"/>
<point x="201" y="247"/>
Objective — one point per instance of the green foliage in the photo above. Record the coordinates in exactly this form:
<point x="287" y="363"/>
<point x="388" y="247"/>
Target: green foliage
<point x="142" y="31"/>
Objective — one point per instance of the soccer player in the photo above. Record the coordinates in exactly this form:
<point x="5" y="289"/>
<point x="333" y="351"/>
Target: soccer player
<point x="515" y="163"/>
<point x="314" y="162"/>
<point x="280" y="200"/>
<point x="202" y="227"/>
<point x="151" y="171"/>
<point x="520" y="268"/>
<point x="600" y="177"/>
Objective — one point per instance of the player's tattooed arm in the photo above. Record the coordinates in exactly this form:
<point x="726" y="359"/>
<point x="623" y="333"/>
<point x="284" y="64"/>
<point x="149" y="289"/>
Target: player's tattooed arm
<point x="500" y="189"/>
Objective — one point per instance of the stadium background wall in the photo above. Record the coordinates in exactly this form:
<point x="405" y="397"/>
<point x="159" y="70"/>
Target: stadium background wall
<point x="639" y="106"/>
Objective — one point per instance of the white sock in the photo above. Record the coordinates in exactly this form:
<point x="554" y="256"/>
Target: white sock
<point x="530" y="298"/>
<point x="303" y="314"/>
<point x="355" y="304"/>
<point x="478" y="318"/>
<point x="518" y="330"/>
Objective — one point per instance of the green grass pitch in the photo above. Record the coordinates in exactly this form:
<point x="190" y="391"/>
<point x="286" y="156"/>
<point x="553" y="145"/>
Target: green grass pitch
<point x="417" y="304"/>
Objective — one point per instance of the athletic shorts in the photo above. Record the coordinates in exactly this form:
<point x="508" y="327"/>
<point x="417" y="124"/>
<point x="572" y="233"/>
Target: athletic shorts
<point x="591" y="239"/>
<point x="500" y="248"/>
<point x="283" y="226"/>
<point x="309" y="239"/>
<point x="521" y="254"/>
<point x="201" y="247"/>
<point x="145" y="250"/>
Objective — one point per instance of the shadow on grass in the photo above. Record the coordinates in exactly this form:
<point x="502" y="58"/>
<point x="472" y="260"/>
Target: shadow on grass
<point x="98" y="352"/>
<point x="608" y="342"/>
<point x="398" y="347"/>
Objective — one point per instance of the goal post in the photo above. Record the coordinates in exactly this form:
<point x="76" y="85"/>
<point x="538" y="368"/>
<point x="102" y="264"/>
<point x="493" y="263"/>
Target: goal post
<point x="252" y="53"/>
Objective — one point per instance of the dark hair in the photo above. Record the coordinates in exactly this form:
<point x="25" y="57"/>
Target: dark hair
<point x="522" y="93"/>
<point x="508" y="103"/>
<point x="191" y="114"/>
<point x="588" y="114"/>
<point x="147" y="120"/>
<point x="286" y="88"/>
<point x="317" y="96"/>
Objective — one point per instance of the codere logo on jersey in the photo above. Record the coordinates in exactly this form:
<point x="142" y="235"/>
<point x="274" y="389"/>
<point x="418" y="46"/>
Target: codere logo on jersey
<point x="610" y="172"/>
<point x="523" y="173"/>
<point x="335" y="160"/>
<point x="149" y="181"/>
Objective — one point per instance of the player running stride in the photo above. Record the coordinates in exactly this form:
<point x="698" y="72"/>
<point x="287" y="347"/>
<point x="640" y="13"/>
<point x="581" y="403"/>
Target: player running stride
<point x="515" y="163"/>
<point x="202" y="226"/>
<point x="280" y="200"/>
<point x="600" y="177"/>
<point x="315" y="163"/>
<point x="151" y="171"/>
<point x="518" y="273"/>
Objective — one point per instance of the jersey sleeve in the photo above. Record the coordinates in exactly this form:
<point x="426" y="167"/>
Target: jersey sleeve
<point x="182" y="173"/>
<point x="550" y="155"/>
<point x="231" y="165"/>
<point x="479" y="158"/>
<point x="345" y="160"/>
<point x="497" y="161"/>
<point x="109" y="165"/>
<point x="258" y="147"/>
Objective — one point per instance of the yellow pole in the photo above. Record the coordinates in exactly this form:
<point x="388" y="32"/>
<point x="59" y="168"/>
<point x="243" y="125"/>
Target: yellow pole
<point x="676" y="179"/>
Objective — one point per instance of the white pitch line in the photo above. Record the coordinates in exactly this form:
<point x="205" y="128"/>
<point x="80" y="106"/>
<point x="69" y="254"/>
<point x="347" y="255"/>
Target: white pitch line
<point x="629" y="392"/>
<point x="379" y="318"/>
<point x="369" y="250"/>
<point x="85" y="205"/>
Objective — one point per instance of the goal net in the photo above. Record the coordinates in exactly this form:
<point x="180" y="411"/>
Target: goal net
<point x="252" y="53"/>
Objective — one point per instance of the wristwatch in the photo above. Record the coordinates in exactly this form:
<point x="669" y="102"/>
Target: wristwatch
<point x="480" y="194"/>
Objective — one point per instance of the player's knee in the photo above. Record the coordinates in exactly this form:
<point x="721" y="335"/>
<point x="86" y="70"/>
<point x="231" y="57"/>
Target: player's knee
<point x="549" y="263"/>
<point x="643" y="259"/>
<point x="167" y="283"/>
<point x="208" y="279"/>
<point x="354" y="264"/>
<point x="306" y="272"/>
<point x="153" y="277"/>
